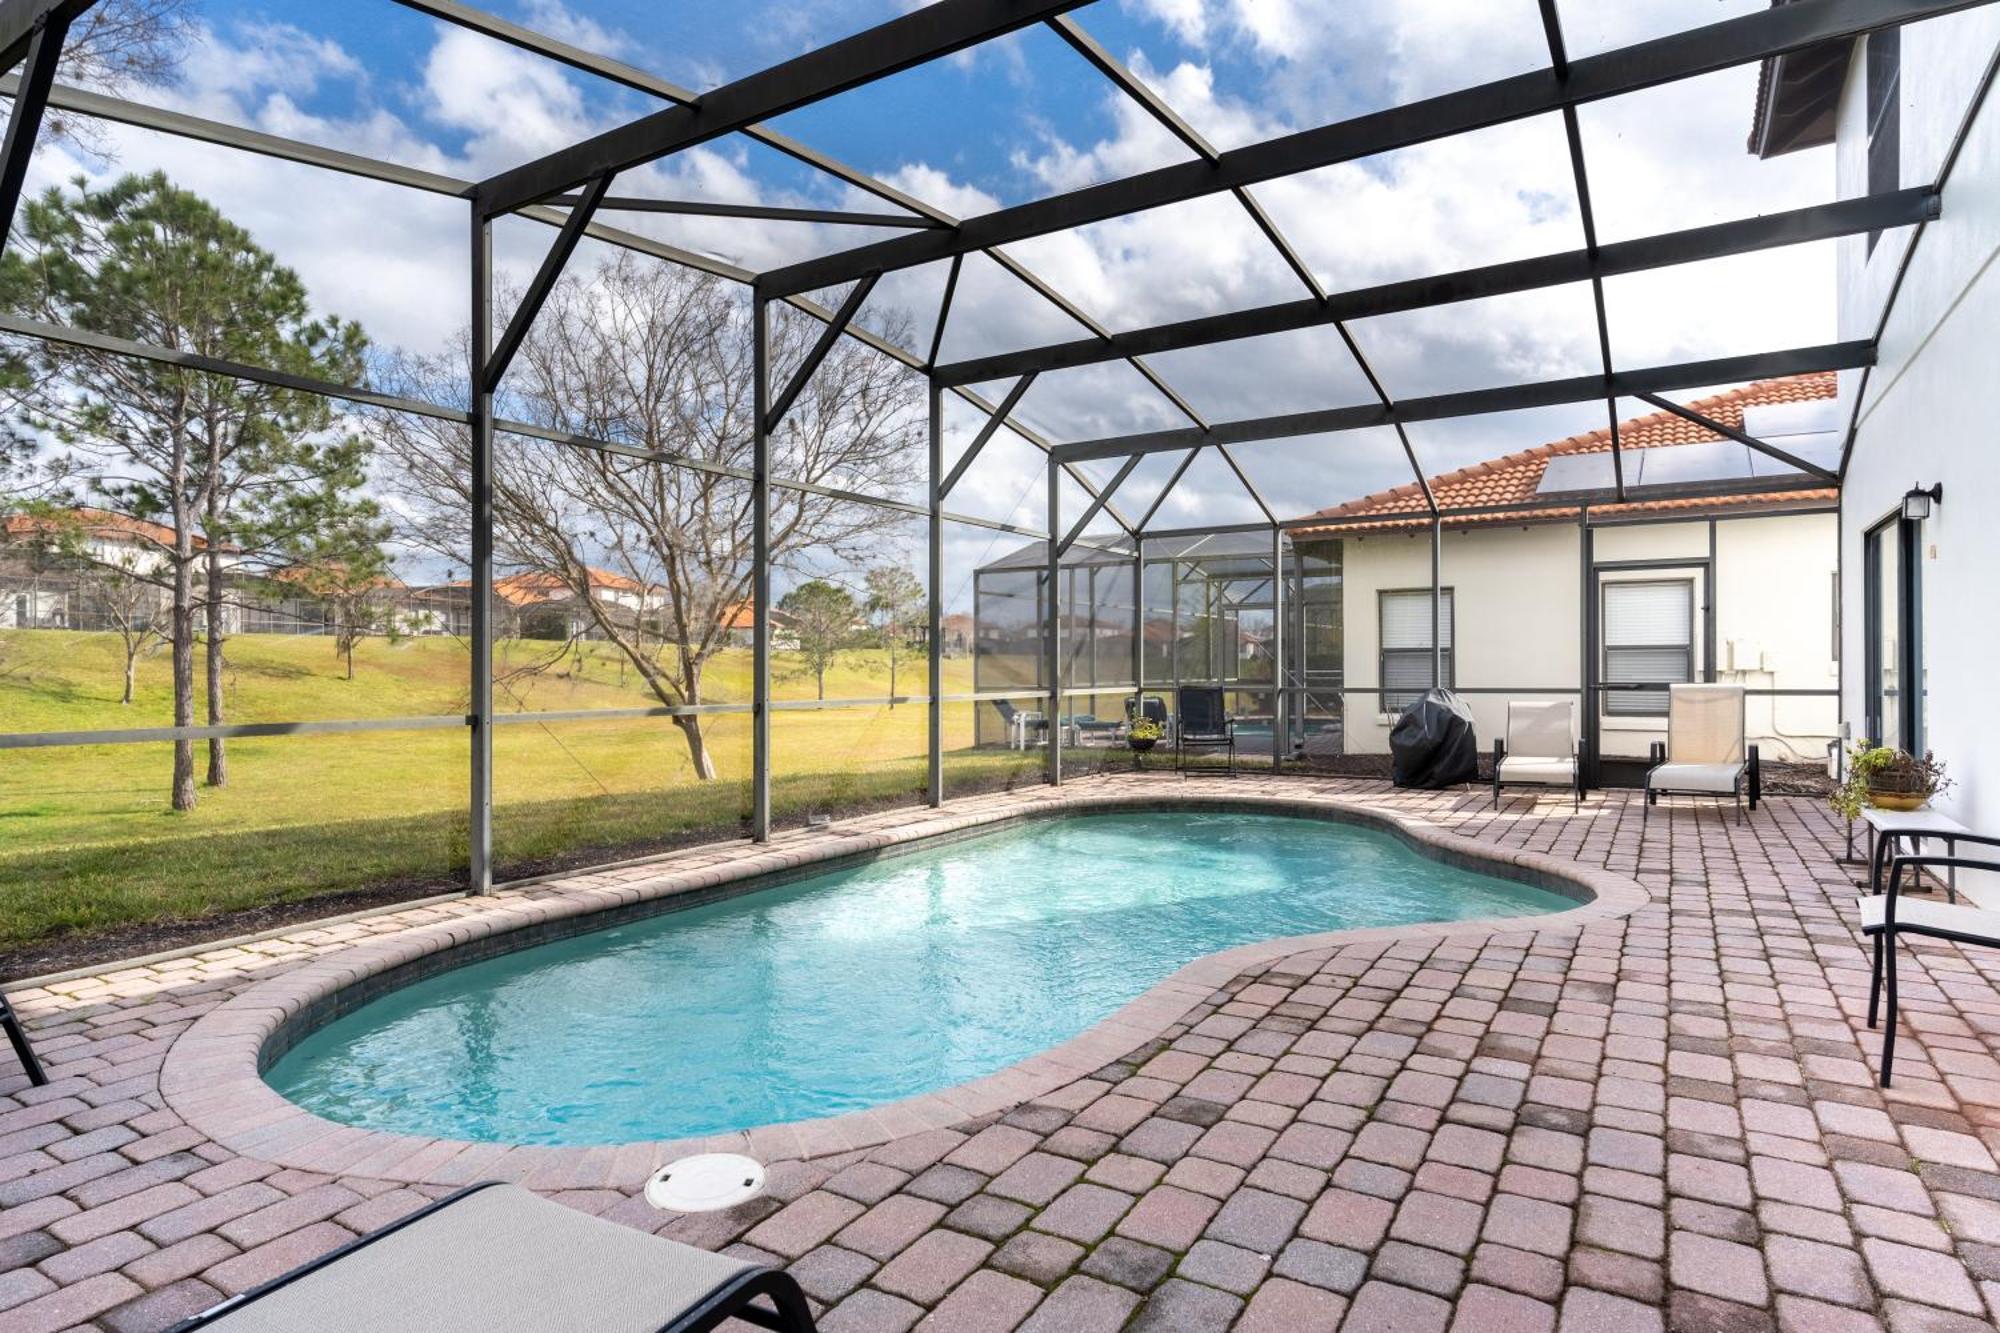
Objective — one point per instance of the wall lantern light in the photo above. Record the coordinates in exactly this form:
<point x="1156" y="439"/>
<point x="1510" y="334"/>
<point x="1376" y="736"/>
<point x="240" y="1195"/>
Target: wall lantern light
<point x="1917" y="502"/>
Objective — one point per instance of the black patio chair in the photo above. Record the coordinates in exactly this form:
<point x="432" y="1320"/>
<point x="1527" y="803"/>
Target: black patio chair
<point x="1202" y="726"/>
<point x="1888" y="915"/>
<point x="24" y="1050"/>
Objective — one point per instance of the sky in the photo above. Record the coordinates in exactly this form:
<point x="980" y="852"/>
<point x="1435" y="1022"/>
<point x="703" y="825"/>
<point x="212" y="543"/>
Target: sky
<point x="1024" y="117"/>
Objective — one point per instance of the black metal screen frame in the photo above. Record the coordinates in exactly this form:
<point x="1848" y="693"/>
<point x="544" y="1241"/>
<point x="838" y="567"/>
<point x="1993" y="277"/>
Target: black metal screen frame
<point x="568" y="190"/>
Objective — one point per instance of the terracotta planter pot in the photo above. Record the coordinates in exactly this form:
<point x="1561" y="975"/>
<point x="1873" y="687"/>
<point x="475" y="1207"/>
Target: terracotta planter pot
<point x="1897" y="800"/>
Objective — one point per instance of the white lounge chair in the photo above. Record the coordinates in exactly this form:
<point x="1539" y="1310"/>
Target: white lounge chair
<point x="498" y="1257"/>
<point x="1541" y="749"/>
<point x="1704" y="753"/>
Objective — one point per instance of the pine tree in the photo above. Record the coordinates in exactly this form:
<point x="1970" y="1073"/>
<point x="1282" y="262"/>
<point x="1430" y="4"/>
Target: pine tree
<point x="234" y="471"/>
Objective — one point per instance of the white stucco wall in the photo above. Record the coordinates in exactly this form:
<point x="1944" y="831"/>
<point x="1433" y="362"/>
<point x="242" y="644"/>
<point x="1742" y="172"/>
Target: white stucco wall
<point x="1928" y="415"/>
<point x="1519" y="621"/>
<point x="1774" y="627"/>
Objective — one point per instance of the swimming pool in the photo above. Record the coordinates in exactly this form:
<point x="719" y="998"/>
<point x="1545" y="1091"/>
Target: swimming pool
<point x="857" y="986"/>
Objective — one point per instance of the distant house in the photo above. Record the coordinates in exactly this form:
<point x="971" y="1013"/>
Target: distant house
<point x="82" y="568"/>
<point x="92" y="570"/>
<point x="63" y="572"/>
<point x="537" y="604"/>
<point x="1680" y="589"/>
<point x="958" y="631"/>
<point x="739" y="628"/>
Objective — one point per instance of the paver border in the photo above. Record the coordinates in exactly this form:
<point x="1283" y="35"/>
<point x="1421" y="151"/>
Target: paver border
<point x="213" y="1074"/>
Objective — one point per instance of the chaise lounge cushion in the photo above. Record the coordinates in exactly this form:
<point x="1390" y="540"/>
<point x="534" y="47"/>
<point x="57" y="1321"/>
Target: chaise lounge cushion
<point x="499" y="1258"/>
<point x="1695" y="777"/>
<point x="1543" y="771"/>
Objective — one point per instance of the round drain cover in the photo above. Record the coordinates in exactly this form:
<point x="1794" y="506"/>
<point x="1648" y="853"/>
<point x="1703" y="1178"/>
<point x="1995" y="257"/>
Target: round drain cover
<point x="705" y="1183"/>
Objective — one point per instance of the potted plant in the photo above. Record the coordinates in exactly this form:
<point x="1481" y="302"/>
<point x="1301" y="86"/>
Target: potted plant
<point x="1887" y="778"/>
<point x="1143" y="734"/>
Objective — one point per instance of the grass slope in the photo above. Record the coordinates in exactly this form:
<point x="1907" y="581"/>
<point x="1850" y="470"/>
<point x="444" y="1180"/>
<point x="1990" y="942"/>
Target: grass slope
<point x="88" y="844"/>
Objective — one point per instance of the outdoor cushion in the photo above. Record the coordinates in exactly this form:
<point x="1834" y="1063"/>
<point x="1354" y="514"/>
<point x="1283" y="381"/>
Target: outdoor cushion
<point x="499" y="1258"/>
<point x="1525" y="768"/>
<point x="1705" y="724"/>
<point x="1695" y="777"/>
<point x="1541" y="729"/>
<point x="1921" y="915"/>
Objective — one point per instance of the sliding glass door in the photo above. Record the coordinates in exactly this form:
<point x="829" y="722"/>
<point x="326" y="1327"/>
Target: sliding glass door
<point x="1894" y="608"/>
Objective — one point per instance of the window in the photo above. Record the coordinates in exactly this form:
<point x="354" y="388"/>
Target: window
<point x="1406" y="646"/>
<point x="1885" y="122"/>
<point x="1648" y="640"/>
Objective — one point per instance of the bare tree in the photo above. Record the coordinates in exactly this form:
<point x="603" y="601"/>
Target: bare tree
<point x="114" y="45"/>
<point x="130" y="605"/>
<point x="110" y="583"/>
<point x="342" y="565"/>
<point x="658" y="358"/>
<point x="896" y="609"/>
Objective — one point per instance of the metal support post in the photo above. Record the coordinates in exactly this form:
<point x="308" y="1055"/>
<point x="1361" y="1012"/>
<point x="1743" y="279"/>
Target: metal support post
<point x="1279" y="731"/>
<point x="1587" y="610"/>
<point x="760" y="577"/>
<point x="1437" y="602"/>
<point x="1709" y="609"/>
<point x="479" y="833"/>
<point x="1138" y="615"/>
<point x="31" y="99"/>
<point x="1052" y="628"/>
<point x="934" y="769"/>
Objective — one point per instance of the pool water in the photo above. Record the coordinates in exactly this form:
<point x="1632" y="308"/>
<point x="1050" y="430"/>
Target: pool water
<point x="858" y="986"/>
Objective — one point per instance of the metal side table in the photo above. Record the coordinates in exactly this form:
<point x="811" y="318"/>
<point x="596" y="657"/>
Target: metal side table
<point x="1888" y="827"/>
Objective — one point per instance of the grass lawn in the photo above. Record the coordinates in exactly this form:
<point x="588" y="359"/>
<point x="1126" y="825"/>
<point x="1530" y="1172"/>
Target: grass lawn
<point x="88" y="845"/>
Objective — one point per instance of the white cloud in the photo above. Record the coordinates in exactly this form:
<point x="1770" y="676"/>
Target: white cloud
<point x="514" y="105"/>
<point x="1186" y="19"/>
<point x="266" y="55"/>
<point x="563" y="23"/>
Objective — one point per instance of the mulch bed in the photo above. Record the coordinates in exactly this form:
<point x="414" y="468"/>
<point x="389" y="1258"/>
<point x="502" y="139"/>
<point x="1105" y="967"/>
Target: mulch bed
<point x="1779" y="779"/>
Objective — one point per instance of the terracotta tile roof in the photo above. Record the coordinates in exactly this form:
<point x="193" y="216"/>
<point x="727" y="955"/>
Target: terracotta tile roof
<point x="97" y="523"/>
<point x="1513" y="478"/>
<point x="536" y="586"/>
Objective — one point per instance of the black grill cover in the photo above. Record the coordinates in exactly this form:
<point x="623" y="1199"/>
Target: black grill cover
<point x="1434" y="743"/>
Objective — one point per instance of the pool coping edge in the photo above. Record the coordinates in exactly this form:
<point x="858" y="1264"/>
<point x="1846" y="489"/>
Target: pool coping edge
<point x="212" y="1076"/>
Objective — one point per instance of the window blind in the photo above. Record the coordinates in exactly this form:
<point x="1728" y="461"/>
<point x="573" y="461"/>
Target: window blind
<point x="1648" y="634"/>
<point x="1406" y="619"/>
<point x="1648" y="614"/>
<point x="1406" y="646"/>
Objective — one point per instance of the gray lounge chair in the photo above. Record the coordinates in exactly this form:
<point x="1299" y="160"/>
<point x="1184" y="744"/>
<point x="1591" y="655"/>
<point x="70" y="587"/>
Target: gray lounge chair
<point x="1705" y="753"/>
<point x="499" y="1257"/>
<point x="1024" y="726"/>
<point x="1540" y="750"/>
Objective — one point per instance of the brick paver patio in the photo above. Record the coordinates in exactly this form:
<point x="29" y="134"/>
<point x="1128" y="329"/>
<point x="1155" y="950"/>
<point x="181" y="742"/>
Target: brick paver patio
<point x="1666" y="1120"/>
